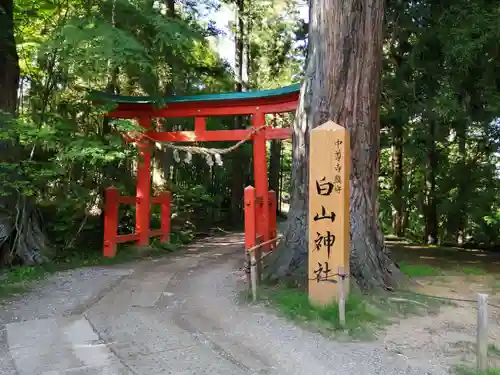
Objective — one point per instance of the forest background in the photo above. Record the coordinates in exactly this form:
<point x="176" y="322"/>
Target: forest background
<point x="439" y="180"/>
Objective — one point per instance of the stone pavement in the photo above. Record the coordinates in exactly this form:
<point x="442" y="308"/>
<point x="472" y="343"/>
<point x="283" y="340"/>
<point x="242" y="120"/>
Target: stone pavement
<point x="178" y="315"/>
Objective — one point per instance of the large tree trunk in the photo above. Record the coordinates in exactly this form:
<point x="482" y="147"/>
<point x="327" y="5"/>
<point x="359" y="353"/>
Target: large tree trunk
<point x="342" y="84"/>
<point x="430" y="208"/>
<point x="21" y="235"/>
<point x="397" y="179"/>
<point x="9" y="60"/>
<point x="400" y="48"/>
<point x="170" y="8"/>
<point x="275" y="167"/>
<point x="462" y="184"/>
<point x="164" y="157"/>
<point x="9" y="81"/>
<point x="239" y="162"/>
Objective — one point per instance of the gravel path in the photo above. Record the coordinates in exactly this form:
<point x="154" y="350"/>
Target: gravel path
<point x="174" y="316"/>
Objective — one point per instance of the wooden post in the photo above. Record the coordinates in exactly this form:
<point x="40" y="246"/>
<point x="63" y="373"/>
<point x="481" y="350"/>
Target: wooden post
<point x="250" y="223"/>
<point x="254" y="276"/>
<point x="482" y="333"/>
<point x="272" y="217"/>
<point x="200" y="125"/>
<point x="143" y="194"/>
<point x="111" y="195"/>
<point x="329" y="170"/>
<point x="341" y="296"/>
<point x="166" y="202"/>
<point x="260" y="176"/>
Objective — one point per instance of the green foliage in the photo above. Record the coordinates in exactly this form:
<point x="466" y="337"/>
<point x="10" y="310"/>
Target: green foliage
<point x="493" y="221"/>
<point x="66" y="151"/>
<point x="193" y="201"/>
<point x="440" y="68"/>
<point x="276" y="59"/>
<point x="50" y="148"/>
<point x="461" y="370"/>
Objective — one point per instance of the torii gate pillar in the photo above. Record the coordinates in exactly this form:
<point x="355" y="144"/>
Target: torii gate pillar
<point x="143" y="193"/>
<point x="261" y="177"/>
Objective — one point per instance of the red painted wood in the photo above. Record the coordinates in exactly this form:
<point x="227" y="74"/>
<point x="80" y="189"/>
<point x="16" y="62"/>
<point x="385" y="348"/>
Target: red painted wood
<point x="200" y="125"/>
<point x="250" y="219"/>
<point x="261" y="178"/>
<point x="217" y="135"/>
<point x="166" y="204"/>
<point x="111" y="238"/>
<point x="111" y="196"/>
<point x="209" y="136"/>
<point x="143" y="194"/>
<point x="272" y="217"/>
<point x="127" y="200"/>
<point x="260" y="217"/>
<point x="242" y="102"/>
<point x="176" y="110"/>
<point x="278" y="133"/>
<point x="127" y="237"/>
<point x="157" y="200"/>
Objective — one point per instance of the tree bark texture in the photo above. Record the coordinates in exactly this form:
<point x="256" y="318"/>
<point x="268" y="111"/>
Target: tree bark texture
<point x="21" y="235"/>
<point x="9" y="60"/>
<point x="275" y="166"/>
<point x="397" y="179"/>
<point x="400" y="49"/>
<point x="430" y="211"/>
<point x="9" y="81"/>
<point x="239" y="161"/>
<point x="462" y="198"/>
<point x="342" y="84"/>
<point x="170" y="8"/>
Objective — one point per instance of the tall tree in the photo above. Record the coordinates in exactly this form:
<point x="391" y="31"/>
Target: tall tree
<point x="239" y="162"/>
<point x="342" y="83"/>
<point x="9" y="60"/>
<point x="398" y="29"/>
<point x="430" y="202"/>
<point x="20" y="233"/>
<point x="9" y="80"/>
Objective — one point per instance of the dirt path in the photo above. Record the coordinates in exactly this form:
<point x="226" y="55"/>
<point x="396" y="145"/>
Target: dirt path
<point x="179" y="316"/>
<point x="452" y="334"/>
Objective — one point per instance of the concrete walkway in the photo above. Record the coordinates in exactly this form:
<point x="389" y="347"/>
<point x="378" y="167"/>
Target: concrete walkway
<point x="173" y="316"/>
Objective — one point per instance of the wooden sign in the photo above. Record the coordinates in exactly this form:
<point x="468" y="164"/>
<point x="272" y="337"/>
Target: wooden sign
<point x="329" y="170"/>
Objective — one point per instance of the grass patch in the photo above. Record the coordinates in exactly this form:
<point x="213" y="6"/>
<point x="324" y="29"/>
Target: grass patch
<point x="18" y="280"/>
<point x="462" y="370"/>
<point x="365" y="314"/>
<point x="419" y="270"/>
<point x="294" y="304"/>
<point x="474" y="271"/>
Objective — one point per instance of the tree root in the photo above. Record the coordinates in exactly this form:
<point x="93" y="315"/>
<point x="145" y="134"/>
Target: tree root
<point x="22" y="239"/>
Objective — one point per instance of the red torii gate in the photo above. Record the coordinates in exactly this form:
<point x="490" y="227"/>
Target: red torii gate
<point x="259" y="225"/>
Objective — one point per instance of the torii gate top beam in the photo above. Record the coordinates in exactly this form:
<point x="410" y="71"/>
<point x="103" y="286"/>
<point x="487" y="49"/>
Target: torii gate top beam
<point x="227" y="104"/>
